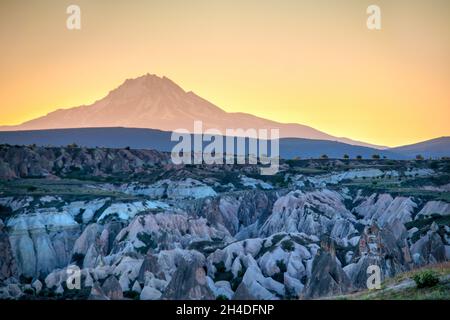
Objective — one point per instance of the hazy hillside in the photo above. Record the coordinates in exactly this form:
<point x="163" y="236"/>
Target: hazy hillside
<point x="160" y="140"/>
<point x="439" y="147"/>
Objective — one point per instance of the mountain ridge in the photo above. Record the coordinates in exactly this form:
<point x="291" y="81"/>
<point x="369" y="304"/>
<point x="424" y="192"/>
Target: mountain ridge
<point x="153" y="102"/>
<point x="439" y="146"/>
<point x="136" y="138"/>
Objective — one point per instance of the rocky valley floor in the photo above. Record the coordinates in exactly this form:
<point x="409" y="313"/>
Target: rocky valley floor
<point x="139" y="227"/>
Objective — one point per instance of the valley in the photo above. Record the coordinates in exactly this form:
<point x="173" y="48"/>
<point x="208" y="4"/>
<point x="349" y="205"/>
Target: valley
<point x="139" y="227"/>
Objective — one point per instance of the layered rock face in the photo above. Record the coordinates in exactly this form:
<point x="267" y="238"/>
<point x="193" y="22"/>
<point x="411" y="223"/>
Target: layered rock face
<point x="22" y="162"/>
<point x="314" y="213"/>
<point x="327" y="276"/>
<point x="8" y="267"/>
<point x="385" y="209"/>
<point x="386" y="248"/>
<point x="189" y="280"/>
<point x="268" y="268"/>
<point x="242" y="213"/>
<point x="430" y="248"/>
<point x="42" y="241"/>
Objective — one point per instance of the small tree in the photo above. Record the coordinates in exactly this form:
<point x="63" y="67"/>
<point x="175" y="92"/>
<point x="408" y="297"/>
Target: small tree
<point x="375" y="156"/>
<point x="72" y="146"/>
<point x="359" y="157"/>
<point x="346" y="156"/>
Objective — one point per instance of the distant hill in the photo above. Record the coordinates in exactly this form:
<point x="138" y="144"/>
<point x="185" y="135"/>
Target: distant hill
<point x="439" y="147"/>
<point x="309" y="148"/>
<point x="154" y="102"/>
<point x="160" y="140"/>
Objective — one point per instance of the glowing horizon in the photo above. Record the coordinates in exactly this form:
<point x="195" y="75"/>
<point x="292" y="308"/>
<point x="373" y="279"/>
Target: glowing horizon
<point x="294" y="62"/>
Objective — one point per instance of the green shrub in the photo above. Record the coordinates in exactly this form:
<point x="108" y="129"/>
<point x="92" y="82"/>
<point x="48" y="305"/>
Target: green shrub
<point x="282" y="266"/>
<point x="31" y="188"/>
<point x="149" y="243"/>
<point x="29" y="291"/>
<point x="288" y="245"/>
<point x="25" y="280"/>
<point x="5" y="212"/>
<point x="78" y="259"/>
<point x="133" y="295"/>
<point x="426" y="279"/>
<point x="237" y="281"/>
<point x="221" y="273"/>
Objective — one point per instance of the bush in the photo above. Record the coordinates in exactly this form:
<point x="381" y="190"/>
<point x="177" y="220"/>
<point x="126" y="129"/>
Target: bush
<point x="29" y="291"/>
<point x="237" y="281"/>
<point x="287" y="245"/>
<point x="72" y="146"/>
<point x="31" y="188"/>
<point x="282" y="266"/>
<point x="426" y="279"/>
<point x="221" y="273"/>
<point x="133" y="295"/>
<point x="149" y="243"/>
<point x="5" y="212"/>
<point x="78" y="259"/>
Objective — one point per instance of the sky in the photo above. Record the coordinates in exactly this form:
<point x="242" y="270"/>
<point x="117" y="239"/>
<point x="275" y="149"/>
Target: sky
<point x="308" y="62"/>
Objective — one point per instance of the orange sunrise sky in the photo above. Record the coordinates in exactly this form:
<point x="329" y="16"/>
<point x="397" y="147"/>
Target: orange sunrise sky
<point x="309" y="62"/>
